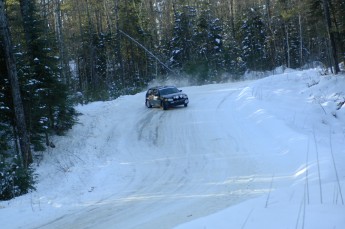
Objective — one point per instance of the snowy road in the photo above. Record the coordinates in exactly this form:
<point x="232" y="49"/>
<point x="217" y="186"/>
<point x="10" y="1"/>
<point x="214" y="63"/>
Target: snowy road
<point x="181" y="164"/>
<point x="271" y="150"/>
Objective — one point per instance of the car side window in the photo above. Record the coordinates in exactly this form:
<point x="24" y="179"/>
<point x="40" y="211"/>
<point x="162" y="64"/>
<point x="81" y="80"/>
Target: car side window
<point x="155" y="92"/>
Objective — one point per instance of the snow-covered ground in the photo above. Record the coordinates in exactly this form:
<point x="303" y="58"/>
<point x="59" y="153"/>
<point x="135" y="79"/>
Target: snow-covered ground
<point x="266" y="153"/>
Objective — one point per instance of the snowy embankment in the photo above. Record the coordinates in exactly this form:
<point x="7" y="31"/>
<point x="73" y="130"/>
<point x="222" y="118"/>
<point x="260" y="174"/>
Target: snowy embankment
<point x="301" y="116"/>
<point x="256" y="154"/>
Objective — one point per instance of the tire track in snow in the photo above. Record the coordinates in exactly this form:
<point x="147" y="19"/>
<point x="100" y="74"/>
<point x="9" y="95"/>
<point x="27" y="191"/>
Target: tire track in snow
<point x="184" y="164"/>
<point x="148" y="127"/>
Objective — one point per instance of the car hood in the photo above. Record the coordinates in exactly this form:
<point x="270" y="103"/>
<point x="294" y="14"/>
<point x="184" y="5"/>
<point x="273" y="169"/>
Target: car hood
<point x="180" y="95"/>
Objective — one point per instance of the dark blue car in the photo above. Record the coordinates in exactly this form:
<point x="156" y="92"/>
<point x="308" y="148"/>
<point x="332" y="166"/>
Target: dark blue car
<point x="165" y="97"/>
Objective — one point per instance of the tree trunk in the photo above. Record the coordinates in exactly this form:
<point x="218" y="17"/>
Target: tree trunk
<point x="118" y="44"/>
<point x="287" y="46"/>
<point x="232" y="18"/>
<point x="64" y="71"/>
<point x="300" y="40"/>
<point x="25" y="7"/>
<point x="24" y="139"/>
<point x="331" y="36"/>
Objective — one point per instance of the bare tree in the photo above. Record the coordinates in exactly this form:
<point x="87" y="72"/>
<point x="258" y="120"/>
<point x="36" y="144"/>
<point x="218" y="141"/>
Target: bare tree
<point x="60" y="40"/>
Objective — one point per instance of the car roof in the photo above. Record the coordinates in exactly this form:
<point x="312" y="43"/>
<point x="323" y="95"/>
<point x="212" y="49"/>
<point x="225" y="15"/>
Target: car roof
<point x="161" y="87"/>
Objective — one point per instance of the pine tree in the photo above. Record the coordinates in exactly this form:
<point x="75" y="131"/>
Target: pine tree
<point x="208" y="38"/>
<point x="135" y="60"/>
<point x="331" y="35"/>
<point x="253" y="33"/>
<point x="183" y="48"/>
<point x="46" y="95"/>
<point x="17" y="104"/>
<point x="16" y="176"/>
<point x="6" y="117"/>
<point x="338" y="9"/>
<point x="323" y="16"/>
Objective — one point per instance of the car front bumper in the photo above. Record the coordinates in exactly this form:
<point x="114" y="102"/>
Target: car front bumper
<point x="177" y="102"/>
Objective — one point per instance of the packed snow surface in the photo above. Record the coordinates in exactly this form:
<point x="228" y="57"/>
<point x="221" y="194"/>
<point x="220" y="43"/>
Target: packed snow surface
<point x="265" y="153"/>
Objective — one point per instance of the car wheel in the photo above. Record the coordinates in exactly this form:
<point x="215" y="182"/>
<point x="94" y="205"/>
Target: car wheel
<point x="186" y="104"/>
<point x="165" y="106"/>
<point x="148" y="104"/>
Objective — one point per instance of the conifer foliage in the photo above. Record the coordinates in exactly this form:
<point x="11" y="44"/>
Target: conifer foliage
<point x="32" y="83"/>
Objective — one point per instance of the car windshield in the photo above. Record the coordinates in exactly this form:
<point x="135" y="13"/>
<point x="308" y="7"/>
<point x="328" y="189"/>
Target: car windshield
<point x="169" y="90"/>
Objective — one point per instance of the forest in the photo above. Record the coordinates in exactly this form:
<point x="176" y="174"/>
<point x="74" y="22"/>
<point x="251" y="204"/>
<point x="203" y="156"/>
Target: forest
<point x="58" y="53"/>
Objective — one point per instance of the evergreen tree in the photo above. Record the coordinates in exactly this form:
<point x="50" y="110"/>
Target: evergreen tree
<point x="5" y="113"/>
<point x="15" y="180"/>
<point x="20" y="125"/>
<point x="136" y="61"/>
<point x="234" y="63"/>
<point x="253" y="33"/>
<point x="331" y="35"/>
<point x="208" y="39"/>
<point x="338" y="9"/>
<point x="16" y="176"/>
<point x="325" y="28"/>
<point x="46" y="102"/>
<point x="182" y="44"/>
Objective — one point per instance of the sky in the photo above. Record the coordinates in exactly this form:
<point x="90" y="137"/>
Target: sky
<point x="260" y="153"/>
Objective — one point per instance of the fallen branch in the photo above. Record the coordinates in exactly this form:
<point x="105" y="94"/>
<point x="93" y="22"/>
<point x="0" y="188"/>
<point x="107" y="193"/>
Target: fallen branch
<point x="148" y="51"/>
